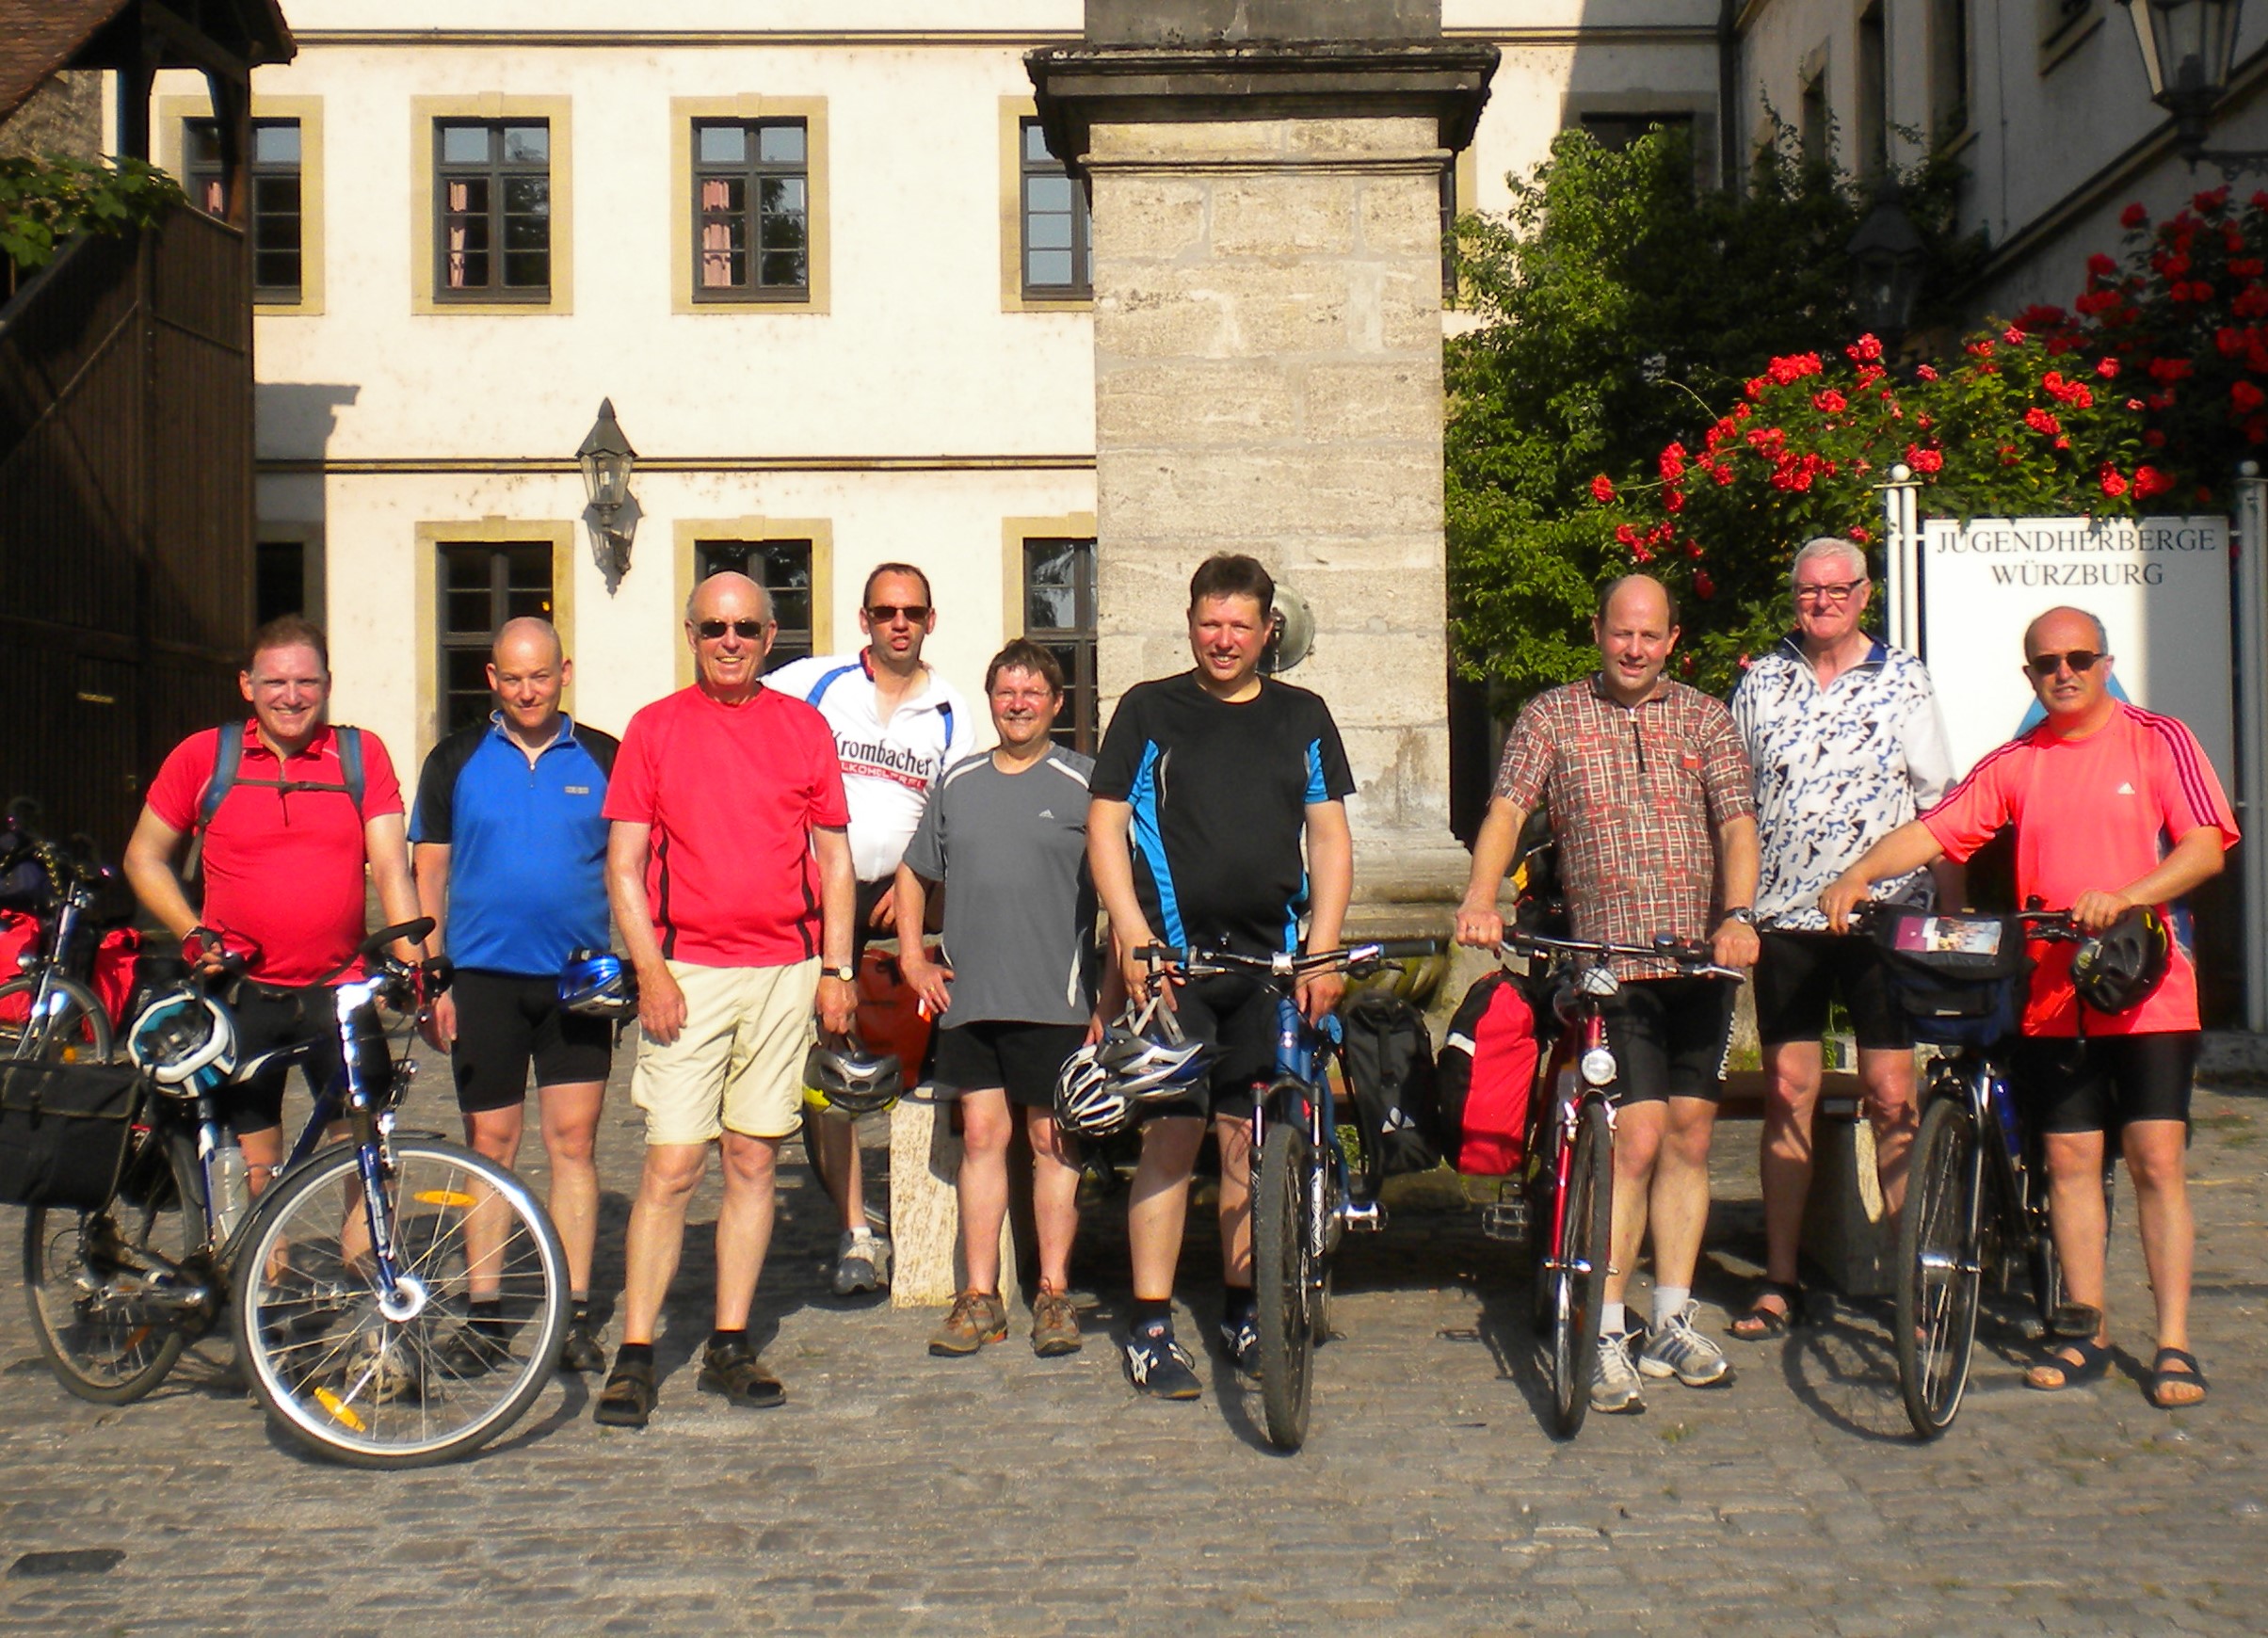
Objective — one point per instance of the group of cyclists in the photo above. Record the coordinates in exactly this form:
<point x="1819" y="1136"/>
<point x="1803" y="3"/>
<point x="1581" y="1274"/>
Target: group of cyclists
<point x="750" y="833"/>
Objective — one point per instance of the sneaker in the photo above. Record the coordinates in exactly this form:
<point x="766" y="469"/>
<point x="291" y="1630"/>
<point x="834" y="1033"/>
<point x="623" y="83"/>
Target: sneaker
<point x="474" y="1348"/>
<point x="861" y="1262"/>
<point x="1615" y="1386"/>
<point x="1240" y="1334"/>
<point x="579" y="1350"/>
<point x="1676" y="1349"/>
<point x="975" y="1318"/>
<point x="1055" y="1326"/>
<point x="1159" y="1366"/>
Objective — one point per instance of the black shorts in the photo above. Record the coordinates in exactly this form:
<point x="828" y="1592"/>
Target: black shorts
<point x="504" y="1022"/>
<point x="1238" y="1014"/>
<point x="1798" y="974"/>
<point x="269" y="1016"/>
<point x="2105" y="1082"/>
<point x="1669" y="1037"/>
<point x="1022" y="1058"/>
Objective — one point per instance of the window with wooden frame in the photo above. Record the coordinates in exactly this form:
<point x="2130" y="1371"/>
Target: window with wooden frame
<point x="1059" y="616"/>
<point x="482" y="583"/>
<point x="782" y="568"/>
<point x="1058" y="234"/>
<point x="1948" y="68"/>
<point x="751" y="209"/>
<point x="492" y="210"/>
<point x="274" y="216"/>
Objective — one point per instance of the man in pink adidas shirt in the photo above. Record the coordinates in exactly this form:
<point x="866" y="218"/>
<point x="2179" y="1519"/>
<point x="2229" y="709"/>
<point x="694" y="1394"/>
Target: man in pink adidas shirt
<point x="2113" y="807"/>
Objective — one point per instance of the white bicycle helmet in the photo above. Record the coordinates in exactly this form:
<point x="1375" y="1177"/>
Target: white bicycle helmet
<point x="179" y="1034"/>
<point x="1148" y="1060"/>
<point x="1087" y="1103"/>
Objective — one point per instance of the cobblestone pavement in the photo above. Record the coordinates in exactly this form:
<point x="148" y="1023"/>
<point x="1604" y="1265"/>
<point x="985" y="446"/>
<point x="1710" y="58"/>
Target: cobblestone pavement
<point x="1004" y="1493"/>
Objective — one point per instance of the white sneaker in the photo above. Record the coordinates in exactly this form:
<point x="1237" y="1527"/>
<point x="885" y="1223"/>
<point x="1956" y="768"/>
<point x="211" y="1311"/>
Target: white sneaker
<point x="1676" y="1349"/>
<point x="1615" y="1386"/>
<point x="861" y="1262"/>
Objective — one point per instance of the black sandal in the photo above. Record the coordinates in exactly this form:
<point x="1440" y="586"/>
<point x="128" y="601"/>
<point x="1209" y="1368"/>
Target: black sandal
<point x="733" y="1371"/>
<point x="2160" y="1376"/>
<point x="1765" y="1325"/>
<point x="628" y="1398"/>
<point x="2093" y="1364"/>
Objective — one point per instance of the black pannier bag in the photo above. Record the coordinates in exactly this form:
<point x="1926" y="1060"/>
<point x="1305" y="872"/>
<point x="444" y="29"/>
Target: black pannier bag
<point x="64" y="1129"/>
<point x="1390" y="1064"/>
<point x="1960" y="979"/>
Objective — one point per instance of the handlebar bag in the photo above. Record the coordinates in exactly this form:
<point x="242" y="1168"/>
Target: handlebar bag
<point x="1391" y="1072"/>
<point x="64" y="1129"/>
<point x="1960" y="979"/>
<point x="1486" y="1077"/>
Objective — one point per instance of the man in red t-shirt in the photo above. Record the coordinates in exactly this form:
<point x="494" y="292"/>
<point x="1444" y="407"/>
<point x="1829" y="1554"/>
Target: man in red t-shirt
<point x="730" y="874"/>
<point x="282" y="858"/>
<point x="2113" y="807"/>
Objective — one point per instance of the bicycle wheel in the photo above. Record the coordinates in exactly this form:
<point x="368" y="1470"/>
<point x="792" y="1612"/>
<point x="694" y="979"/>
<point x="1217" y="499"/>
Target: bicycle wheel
<point x="105" y="1287"/>
<point x="70" y="1028"/>
<point x="1576" y="1277"/>
<point x="424" y="1378"/>
<point x="1282" y="1270"/>
<point x="1940" y="1268"/>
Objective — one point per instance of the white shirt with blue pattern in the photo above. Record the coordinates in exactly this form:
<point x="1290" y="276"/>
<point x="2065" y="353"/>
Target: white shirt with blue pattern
<point x="1837" y="769"/>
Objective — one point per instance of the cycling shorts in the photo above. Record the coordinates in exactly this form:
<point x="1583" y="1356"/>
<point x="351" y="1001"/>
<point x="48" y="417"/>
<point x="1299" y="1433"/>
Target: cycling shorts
<point x="2105" y="1082"/>
<point x="1798" y="974"/>
<point x="504" y="1021"/>
<point x="269" y="1016"/>
<point x="1669" y="1037"/>
<point x="1020" y="1058"/>
<point x="1236" y="1013"/>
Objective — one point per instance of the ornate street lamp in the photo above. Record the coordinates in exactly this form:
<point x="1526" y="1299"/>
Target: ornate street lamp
<point x="607" y="461"/>
<point x="1890" y="259"/>
<point x="2188" y="47"/>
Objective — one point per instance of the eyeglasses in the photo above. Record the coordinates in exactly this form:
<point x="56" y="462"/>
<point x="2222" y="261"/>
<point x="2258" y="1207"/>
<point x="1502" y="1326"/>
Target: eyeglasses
<point x="881" y="614"/>
<point x="712" y="629"/>
<point x="2082" y="661"/>
<point x="1838" y="592"/>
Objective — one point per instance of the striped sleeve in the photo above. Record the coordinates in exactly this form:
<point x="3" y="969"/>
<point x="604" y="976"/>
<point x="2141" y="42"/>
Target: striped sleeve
<point x="2187" y="791"/>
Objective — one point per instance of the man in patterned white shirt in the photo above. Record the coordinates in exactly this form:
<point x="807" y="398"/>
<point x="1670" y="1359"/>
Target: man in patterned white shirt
<point x="1846" y="741"/>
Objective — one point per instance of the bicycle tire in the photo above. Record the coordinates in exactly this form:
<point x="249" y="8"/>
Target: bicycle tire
<point x="102" y="1341"/>
<point x="1577" y="1282"/>
<point x="1282" y="1269"/>
<point x="76" y="1029"/>
<point x="1939" y="1265"/>
<point x="341" y="1378"/>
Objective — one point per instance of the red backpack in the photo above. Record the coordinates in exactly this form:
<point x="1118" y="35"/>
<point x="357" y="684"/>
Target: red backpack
<point x="1484" y="1077"/>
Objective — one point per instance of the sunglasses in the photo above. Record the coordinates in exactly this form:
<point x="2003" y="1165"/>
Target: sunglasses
<point x="2082" y="661"/>
<point x="1839" y="591"/>
<point x="881" y="614"/>
<point x="712" y="629"/>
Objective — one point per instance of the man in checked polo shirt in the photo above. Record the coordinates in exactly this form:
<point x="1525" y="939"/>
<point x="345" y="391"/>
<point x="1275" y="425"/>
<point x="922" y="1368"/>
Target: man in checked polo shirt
<point x="1649" y="795"/>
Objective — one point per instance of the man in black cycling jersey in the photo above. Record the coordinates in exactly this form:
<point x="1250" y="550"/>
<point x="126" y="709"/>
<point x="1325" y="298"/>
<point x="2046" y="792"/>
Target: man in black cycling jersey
<point x="1207" y="785"/>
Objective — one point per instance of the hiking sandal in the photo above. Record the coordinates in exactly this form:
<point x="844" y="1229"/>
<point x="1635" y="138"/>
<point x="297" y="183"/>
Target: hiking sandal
<point x="628" y="1398"/>
<point x="2161" y="1378"/>
<point x="2093" y="1363"/>
<point x="1764" y="1325"/>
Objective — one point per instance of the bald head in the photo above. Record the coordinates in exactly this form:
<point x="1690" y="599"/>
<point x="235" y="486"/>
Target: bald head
<point x="528" y="637"/>
<point x="528" y="672"/>
<point x="729" y="594"/>
<point x="1635" y="629"/>
<point x="1654" y="599"/>
<point x="2064" y="619"/>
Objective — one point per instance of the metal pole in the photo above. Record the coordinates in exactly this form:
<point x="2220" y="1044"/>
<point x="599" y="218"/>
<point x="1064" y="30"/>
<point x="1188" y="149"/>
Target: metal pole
<point x="2252" y="729"/>
<point x="1901" y="548"/>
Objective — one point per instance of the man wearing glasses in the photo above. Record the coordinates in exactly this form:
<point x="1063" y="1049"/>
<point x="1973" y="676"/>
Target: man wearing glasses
<point x="2113" y="807"/>
<point x="1846" y="738"/>
<point x="729" y="874"/>
<point x="898" y="725"/>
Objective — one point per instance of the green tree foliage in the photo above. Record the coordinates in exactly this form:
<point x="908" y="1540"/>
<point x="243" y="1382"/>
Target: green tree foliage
<point x="44" y="202"/>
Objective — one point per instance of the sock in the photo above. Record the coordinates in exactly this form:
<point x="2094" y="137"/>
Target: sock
<point x="1238" y="1304"/>
<point x="1613" y="1320"/>
<point x="634" y="1354"/>
<point x="1669" y="1302"/>
<point x="1150" y="1315"/>
<point x="578" y="1309"/>
<point x="726" y="1338"/>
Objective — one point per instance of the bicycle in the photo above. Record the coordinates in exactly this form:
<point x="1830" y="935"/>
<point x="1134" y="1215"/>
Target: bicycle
<point x="1976" y="1189"/>
<point x="1567" y="1214"/>
<point x="1303" y="1198"/>
<point x="48" y="1012"/>
<point x="350" y="1284"/>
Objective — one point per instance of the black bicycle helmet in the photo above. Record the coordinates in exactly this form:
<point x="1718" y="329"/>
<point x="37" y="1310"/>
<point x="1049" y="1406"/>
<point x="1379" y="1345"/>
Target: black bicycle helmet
<point x="598" y="982"/>
<point x="847" y="1080"/>
<point x="2122" y="966"/>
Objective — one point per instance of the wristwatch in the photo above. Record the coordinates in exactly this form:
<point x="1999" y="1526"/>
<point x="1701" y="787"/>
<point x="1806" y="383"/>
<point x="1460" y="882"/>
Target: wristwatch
<point x="846" y="975"/>
<point x="1744" y="915"/>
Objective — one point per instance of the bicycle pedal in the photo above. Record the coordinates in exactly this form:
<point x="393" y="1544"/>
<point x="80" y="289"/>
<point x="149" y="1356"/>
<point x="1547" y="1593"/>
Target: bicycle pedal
<point x="1362" y="1216"/>
<point x="1505" y="1220"/>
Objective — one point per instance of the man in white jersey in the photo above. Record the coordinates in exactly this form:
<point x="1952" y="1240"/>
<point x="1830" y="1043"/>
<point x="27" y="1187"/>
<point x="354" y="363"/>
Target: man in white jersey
<point x="898" y="725"/>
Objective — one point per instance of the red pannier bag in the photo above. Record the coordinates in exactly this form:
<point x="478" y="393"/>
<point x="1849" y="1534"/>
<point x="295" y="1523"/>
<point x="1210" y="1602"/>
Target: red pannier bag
<point x="19" y="933"/>
<point x="116" y="960"/>
<point x="1486" y="1075"/>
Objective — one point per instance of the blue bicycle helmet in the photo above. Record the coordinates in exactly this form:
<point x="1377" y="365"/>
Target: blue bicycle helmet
<point x="600" y="984"/>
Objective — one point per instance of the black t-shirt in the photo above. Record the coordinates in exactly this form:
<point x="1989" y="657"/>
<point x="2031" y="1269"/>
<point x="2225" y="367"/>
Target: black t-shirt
<point x="1221" y="794"/>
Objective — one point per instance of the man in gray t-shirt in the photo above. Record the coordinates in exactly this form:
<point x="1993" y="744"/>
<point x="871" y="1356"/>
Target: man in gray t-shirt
<point x="1007" y="831"/>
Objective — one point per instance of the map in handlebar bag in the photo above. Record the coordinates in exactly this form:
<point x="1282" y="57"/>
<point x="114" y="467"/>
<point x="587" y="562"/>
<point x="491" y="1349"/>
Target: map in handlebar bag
<point x="1949" y="935"/>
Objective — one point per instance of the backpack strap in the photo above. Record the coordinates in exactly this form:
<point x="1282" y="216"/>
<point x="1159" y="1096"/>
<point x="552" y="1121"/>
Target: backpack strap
<point x="945" y="712"/>
<point x="227" y="756"/>
<point x="350" y="762"/>
<point x="228" y="762"/>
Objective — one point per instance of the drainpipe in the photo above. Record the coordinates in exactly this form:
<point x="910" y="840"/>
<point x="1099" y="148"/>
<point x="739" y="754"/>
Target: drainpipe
<point x="1727" y="93"/>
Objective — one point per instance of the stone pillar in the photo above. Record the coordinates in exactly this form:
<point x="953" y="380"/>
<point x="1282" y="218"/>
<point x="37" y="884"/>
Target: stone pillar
<point x="1265" y="183"/>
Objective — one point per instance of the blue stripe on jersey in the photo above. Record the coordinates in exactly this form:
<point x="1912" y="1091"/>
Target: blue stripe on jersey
<point x="1149" y="839"/>
<point x="1317" y="790"/>
<point x="820" y="687"/>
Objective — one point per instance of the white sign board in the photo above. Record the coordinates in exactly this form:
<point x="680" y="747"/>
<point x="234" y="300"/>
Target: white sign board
<point x="2161" y="586"/>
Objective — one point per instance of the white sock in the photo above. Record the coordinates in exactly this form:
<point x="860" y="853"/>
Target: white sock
<point x="1669" y="1302"/>
<point x="1613" y="1320"/>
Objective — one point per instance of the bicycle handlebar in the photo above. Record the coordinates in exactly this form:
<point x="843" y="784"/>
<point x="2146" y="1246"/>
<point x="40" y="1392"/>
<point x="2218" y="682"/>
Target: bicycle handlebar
<point x="1205" y="963"/>
<point x="2051" y="926"/>
<point x="1692" y="960"/>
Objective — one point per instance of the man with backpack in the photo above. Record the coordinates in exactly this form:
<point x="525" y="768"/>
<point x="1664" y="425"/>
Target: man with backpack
<point x="287" y="812"/>
<point x="898" y="725"/>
